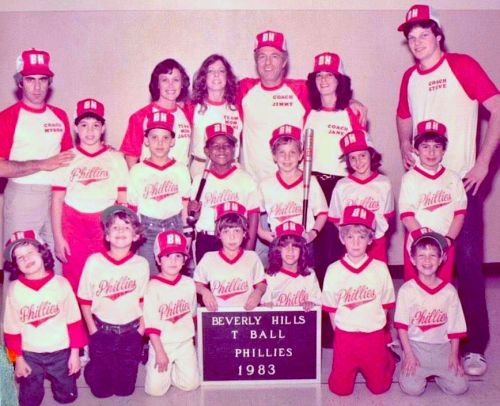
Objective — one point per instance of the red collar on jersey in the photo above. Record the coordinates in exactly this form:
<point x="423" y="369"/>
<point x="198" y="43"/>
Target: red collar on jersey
<point x="289" y="273"/>
<point x="432" y="68"/>
<point x="117" y="261"/>
<point x="155" y="105"/>
<point x="166" y="281"/>
<point x="33" y="109"/>
<point x="423" y="172"/>
<point x="363" y="181"/>
<point x="216" y="103"/>
<point x="104" y="148"/>
<point x="289" y="185"/>
<point x="359" y="269"/>
<point x="428" y="289"/>
<point x="271" y="88"/>
<point x="225" y="174"/>
<point x="159" y="167"/>
<point x="36" y="284"/>
<point x="235" y="259"/>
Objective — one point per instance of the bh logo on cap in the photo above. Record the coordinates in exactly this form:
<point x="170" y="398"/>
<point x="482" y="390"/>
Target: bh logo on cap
<point x="161" y="119"/>
<point x="419" y="12"/>
<point x="170" y="242"/>
<point x="286" y="130"/>
<point x="90" y="106"/>
<point x="358" y="215"/>
<point x="270" y="39"/>
<point x="354" y="141"/>
<point x="34" y="62"/>
<point x="431" y="126"/>
<point x="289" y="228"/>
<point x="230" y="207"/>
<point x="328" y="62"/>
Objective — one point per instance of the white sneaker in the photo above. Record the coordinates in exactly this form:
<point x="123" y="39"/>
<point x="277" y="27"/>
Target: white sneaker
<point x="85" y="358"/>
<point x="474" y="364"/>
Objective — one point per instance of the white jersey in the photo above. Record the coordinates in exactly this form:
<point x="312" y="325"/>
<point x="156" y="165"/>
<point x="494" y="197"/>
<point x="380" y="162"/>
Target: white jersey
<point x="329" y="127"/>
<point x="133" y="142"/>
<point x="92" y="181"/>
<point x="449" y="93"/>
<point x="434" y="199"/>
<point x="33" y="134"/>
<point x="286" y="288"/>
<point x="169" y="308"/>
<point x="158" y="191"/>
<point x="373" y="193"/>
<point x="114" y="289"/>
<point x="235" y="185"/>
<point x="431" y="315"/>
<point x="283" y="201"/>
<point x="230" y="280"/>
<point x="214" y="113"/>
<point x="264" y="110"/>
<point x="358" y="294"/>
<point x="41" y="312"/>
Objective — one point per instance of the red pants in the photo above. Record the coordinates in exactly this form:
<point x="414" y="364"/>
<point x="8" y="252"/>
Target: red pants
<point x="445" y="271"/>
<point x="85" y="236"/>
<point x="364" y="352"/>
<point x="378" y="249"/>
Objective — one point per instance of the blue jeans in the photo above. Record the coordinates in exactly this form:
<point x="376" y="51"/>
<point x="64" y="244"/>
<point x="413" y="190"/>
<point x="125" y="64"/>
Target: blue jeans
<point x="54" y="366"/>
<point x="152" y="227"/>
<point x="470" y="278"/>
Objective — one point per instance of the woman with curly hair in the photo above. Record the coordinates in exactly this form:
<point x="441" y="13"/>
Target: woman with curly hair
<point x="169" y="89"/>
<point x="213" y="101"/>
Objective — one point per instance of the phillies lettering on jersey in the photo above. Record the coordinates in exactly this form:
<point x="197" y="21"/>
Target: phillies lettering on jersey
<point x="425" y="319"/>
<point x="297" y="298"/>
<point x="228" y="289"/>
<point x="367" y="202"/>
<point x="213" y="199"/>
<point x="354" y="297"/>
<point x="113" y="289"/>
<point x="434" y="200"/>
<point x="86" y="175"/>
<point x="160" y="190"/>
<point x="285" y="211"/>
<point x="174" y="311"/>
<point x="38" y="314"/>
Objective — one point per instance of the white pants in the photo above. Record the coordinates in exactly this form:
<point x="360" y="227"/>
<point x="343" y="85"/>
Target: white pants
<point x="182" y="371"/>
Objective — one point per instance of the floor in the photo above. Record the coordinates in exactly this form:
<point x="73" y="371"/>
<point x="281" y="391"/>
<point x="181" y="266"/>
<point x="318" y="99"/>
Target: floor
<point x="483" y="391"/>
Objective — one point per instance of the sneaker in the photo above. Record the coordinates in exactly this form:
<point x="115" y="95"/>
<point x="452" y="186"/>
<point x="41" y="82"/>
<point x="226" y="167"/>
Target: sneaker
<point x="474" y="364"/>
<point x="84" y="358"/>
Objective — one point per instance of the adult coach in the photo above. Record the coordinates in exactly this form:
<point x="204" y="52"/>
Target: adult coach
<point x="270" y="101"/>
<point x="448" y="88"/>
<point x="34" y="139"/>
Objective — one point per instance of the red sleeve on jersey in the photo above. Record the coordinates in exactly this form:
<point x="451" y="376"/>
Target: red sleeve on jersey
<point x="149" y="330"/>
<point x="389" y="215"/>
<point x="334" y="220"/>
<point x="122" y="188"/>
<point x="472" y="77"/>
<point x="244" y="87"/>
<point x="406" y="214"/>
<point x="14" y="342"/>
<point x="463" y="211"/>
<point x="66" y="141"/>
<point x="403" y="105"/>
<point x="389" y="305"/>
<point x="8" y="122"/>
<point x="354" y="119"/>
<point x="77" y="336"/>
<point x="84" y="301"/>
<point x="299" y="88"/>
<point x="329" y="309"/>
<point x="189" y="111"/>
<point x="59" y="188"/>
<point x="134" y="136"/>
<point x="457" y="335"/>
<point x="400" y="326"/>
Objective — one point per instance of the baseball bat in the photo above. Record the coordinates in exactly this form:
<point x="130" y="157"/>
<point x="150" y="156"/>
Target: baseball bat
<point x="308" y="155"/>
<point x="191" y="218"/>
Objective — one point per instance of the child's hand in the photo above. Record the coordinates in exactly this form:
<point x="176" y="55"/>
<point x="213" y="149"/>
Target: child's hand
<point x="455" y="365"/>
<point x="22" y="368"/>
<point x="209" y="301"/>
<point x="409" y="365"/>
<point x="310" y="236"/>
<point x="161" y="360"/>
<point x="194" y="206"/>
<point x="308" y="306"/>
<point x="74" y="362"/>
<point x="62" y="251"/>
<point x="267" y="235"/>
<point x="253" y="300"/>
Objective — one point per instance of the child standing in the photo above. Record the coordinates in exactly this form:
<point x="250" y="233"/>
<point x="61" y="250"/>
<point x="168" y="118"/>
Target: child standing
<point x="364" y="186"/>
<point x="225" y="182"/>
<point x="357" y="292"/>
<point x="231" y="276"/>
<point x="95" y="179"/>
<point x="430" y="322"/>
<point x="111" y="291"/>
<point x="282" y="193"/>
<point x="42" y="322"/>
<point x="169" y="308"/>
<point x="159" y="185"/>
<point x="290" y="279"/>
<point x="432" y="196"/>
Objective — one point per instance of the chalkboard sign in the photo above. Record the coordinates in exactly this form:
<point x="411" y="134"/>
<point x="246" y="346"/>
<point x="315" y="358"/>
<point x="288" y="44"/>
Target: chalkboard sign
<point x="262" y="346"/>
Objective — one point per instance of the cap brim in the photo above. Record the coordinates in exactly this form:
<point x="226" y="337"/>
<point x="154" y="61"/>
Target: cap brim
<point x="116" y="209"/>
<point x="229" y="137"/>
<point x="44" y="72"/>
<point x="436" y="237"/>
<point x="12" y="246"/>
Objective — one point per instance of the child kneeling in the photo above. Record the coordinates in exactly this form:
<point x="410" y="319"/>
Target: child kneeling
<point x="169" y="309"/>
<point x="357" y="292"/>
<point x="430" y="322"/>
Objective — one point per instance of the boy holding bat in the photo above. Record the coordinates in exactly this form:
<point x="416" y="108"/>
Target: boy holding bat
<point x="283" y="193"/>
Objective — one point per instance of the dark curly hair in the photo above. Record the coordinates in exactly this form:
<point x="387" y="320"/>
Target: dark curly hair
<point x="274" y="255"/>
<point x="436" y="30"/>
<point x="375" y="161"/>
<point x="13" y="268"/>
<point x="343" y="91"/>
<point x="167" y="66"/>
<point x="200" y="91"/>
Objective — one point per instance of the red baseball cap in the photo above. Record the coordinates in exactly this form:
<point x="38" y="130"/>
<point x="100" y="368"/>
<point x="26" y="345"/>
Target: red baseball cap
<point x="358" y="215"/>
<point x="90" y="106"/>
<point x="419" y="12"/>
<point x="356" y="140"/>
<point x="431" y="126"/>
<point x="34" y="62"/>
<point x="328" y="62"/>
<point x="170" y="242"/>
<point x="216" y="129"/>
<point x="286" y="130"/>
<point x="19" y="237"/>
<point x="289" y="228"/>
<point x="270" y="39"/>
<point x="229" y="208"/>
<point x="161" y="119"/>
